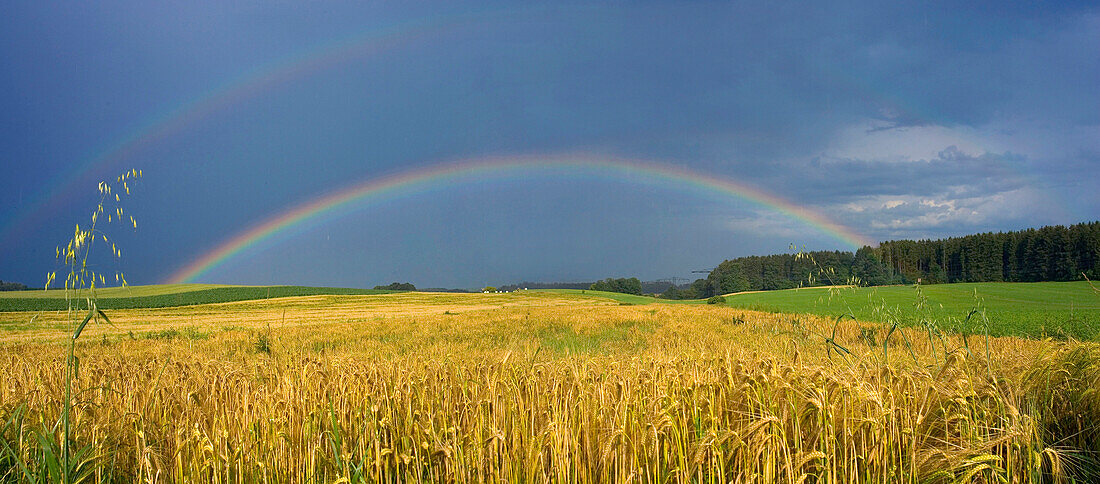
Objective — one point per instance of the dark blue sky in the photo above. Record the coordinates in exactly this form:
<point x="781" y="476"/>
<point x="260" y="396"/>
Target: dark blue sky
<point x="902" y="121"/>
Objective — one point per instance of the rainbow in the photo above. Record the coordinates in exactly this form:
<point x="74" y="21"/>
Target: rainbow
<point x="441" y="175"/>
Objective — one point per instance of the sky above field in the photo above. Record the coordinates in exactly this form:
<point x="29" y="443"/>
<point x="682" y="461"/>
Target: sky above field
<point x="458" y="145"/>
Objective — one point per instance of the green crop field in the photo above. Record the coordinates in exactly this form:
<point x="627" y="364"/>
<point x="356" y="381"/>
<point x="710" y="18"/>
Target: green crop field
<point x="168" y="295"/>
<point x="1055" y="309"/>
<point x="112" y="292"/>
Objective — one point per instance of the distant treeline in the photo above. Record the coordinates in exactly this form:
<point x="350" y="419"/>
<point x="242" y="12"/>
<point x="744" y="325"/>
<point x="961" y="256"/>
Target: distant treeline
<point x="396" y="286"/>
<point x="784" y="271"/>
<point x="13" y="286"/>
<point x="624" y="285"/>
<point x="408" y="286"/>
<point x="545" y="285"/>
<point x="648" y="287"/>
<point x="444" y="289"/>
<point x="1053" y="253"/>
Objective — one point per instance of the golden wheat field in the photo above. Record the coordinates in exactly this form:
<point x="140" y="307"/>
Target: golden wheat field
<point x="537" y="387"/>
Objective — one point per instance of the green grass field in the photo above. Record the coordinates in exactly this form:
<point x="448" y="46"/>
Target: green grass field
<point x="167" y="295"/>
<point x="1040" y="309"/>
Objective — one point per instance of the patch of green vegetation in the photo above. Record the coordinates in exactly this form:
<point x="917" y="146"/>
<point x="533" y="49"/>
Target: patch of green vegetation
<point x="564" y="339"/>
<point x="185" y="295"/>
<point x="188" y="332"/>
<point x="1031" y="309"/>
<point x="323" y="345"/>
<point x="262" y="344"/>
<point x="26" y="325"/>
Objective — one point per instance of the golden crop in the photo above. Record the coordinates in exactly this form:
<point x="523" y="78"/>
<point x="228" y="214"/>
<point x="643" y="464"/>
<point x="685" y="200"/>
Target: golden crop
<point x="538" y="387"/>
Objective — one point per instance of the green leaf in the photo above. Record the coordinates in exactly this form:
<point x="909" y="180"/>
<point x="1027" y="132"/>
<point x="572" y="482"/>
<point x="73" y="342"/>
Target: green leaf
<point x="49" y="455"/>
<point x="79" y="329"/>
<point x="14" y="422"/>
<point x="104" y="316"/>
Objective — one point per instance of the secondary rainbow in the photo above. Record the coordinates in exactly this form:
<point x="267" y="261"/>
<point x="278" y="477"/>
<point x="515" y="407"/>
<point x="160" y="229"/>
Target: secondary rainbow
<point x="242" y="87"/>
<point x="248" y="85"/>
<point x="447" y="174"/>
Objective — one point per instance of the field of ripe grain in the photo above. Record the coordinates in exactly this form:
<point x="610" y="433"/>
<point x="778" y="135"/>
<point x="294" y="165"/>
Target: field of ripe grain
<point x="538" y="387"/>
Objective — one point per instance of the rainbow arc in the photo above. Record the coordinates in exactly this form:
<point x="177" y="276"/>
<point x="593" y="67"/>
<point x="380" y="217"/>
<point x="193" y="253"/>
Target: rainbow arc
<point x="412" y="182"/>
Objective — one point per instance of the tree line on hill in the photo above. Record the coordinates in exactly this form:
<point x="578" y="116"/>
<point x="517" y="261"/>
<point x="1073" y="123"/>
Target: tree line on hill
<point x="647" y="287"/>
<point x="12" y="286"/>
<point x="397" y="286"/>
<point x="544" y="285"/>
<point x="779" y="271"/>
<point x="624" y="285"/>
<point x="1053" y="253"/>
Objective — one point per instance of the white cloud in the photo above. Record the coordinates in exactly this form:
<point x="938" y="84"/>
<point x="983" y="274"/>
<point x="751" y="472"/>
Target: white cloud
<point x="916" y="216"/>
<point x="874" y="140"/>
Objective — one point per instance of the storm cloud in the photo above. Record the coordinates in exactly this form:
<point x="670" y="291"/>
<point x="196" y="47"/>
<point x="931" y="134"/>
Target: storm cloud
<point x="912" y="119"/>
